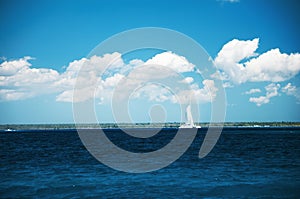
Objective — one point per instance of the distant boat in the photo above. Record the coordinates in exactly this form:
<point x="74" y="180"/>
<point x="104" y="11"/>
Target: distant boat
<point x="189" y="119"/>
<point x="9" y="130"/>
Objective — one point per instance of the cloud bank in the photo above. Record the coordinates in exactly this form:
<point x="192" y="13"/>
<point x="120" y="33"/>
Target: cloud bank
<point x="19" y="80"/>
<point x="238" y="63"/>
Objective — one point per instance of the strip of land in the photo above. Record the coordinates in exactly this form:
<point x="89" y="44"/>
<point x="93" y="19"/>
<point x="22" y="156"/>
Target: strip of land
<point x="142" y="125"/>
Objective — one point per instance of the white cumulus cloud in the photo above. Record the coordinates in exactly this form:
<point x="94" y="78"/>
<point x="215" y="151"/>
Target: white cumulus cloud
<point x="289" y="89"/>
<point x="177" y="63"/>
<point x="271" y="91"/>
<point x="239" y="63"/>
<point x="194" y="94"/>
<point x="188" y="80"/>
<point x="19" y="81"/>
<point x="201" y="95"/>
<point x="253" y="90"/>
<point x="8" y="68"/>
<point x="98" y="78"/>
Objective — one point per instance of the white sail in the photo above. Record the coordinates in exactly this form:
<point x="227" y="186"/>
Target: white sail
<point x="189" y="119"/>
<point x="189" y="116"/>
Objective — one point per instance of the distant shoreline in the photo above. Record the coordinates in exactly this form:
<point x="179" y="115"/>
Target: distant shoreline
<point x="4" y="127"/>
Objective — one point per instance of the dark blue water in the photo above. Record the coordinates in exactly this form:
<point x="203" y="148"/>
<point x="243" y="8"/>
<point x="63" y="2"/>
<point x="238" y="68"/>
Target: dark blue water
<point x="251" y="163"/>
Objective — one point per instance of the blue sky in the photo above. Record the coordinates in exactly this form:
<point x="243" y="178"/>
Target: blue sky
<point x="55" y="33"/>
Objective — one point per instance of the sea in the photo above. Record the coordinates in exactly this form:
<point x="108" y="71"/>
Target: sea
<point x="245" y="163"/>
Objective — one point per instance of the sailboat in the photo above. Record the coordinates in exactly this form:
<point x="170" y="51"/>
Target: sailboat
<point x="189" y="123"/>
